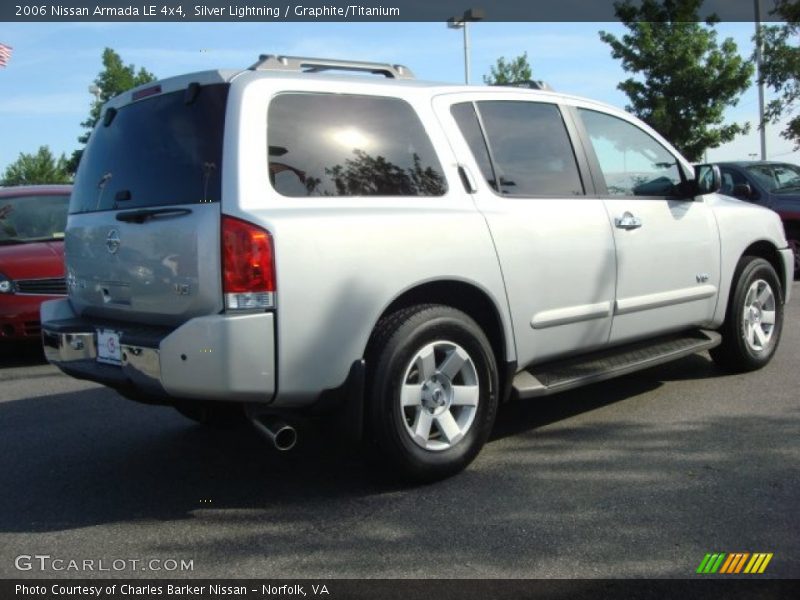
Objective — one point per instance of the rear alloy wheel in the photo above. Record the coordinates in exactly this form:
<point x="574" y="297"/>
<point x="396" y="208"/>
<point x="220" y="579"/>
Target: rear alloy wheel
<point x="440" y="396"/>
<point x="433" y="386"/>
<point x="754" y="318"/>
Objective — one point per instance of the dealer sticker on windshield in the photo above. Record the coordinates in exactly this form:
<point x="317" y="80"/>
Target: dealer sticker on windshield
<point x="108" y="350"/>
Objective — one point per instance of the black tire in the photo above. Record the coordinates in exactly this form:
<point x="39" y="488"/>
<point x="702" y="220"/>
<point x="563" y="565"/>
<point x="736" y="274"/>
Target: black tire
<point x="396" y="341"/>
<point x="736" y="353"/>
<point x="794" y="244"/>
<point x="218" y="415"/>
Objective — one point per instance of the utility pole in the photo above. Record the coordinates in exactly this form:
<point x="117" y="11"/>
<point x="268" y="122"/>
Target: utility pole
<point x="762" y="126"/>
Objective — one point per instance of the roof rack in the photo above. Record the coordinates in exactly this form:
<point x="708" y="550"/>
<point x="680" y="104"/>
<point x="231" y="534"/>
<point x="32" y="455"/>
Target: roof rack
<point x="527" y="84"/>
<point x="301" y="64"/>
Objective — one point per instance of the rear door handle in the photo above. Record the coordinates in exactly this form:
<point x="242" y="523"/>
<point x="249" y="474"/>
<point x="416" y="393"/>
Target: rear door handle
<point x="627" y="221"/>
<point x="467" y="180"/>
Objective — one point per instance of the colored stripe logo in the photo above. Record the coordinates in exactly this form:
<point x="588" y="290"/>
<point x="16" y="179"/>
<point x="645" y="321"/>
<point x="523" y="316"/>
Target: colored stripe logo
<point x="735" y="563"/>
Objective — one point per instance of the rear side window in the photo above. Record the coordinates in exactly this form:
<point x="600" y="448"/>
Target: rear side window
<point x="166" y="149"/>
<point x="632" y="162"/>
<point x="470" y="127"/>
<point x="349" y="145"/>
<point x="529" y="147"/>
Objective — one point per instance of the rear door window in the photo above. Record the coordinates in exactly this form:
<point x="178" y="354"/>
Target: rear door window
<point x="163" y="150"/>
<point x="350" y="145"/>
<point x="530" y="150"/>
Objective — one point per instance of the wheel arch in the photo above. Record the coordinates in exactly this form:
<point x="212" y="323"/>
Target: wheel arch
<point x="464" y="296"/>
<point x="769" y="252"/>
<point x="476" y="302"/>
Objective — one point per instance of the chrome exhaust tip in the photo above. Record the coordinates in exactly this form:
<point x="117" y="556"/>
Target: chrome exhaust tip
<point x="282" y="436"/>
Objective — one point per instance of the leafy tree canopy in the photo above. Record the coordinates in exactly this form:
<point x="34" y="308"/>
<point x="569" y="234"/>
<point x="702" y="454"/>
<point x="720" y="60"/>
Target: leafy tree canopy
<point x="35" y="169"/>
<point x="683" y="78"/>
<point x="115" y="78"/>
<point x="780" y="69"/>
<point x="514" y="71"/>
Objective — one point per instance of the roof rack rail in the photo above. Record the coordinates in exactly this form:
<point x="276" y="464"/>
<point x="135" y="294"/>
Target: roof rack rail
<point x="528" y="84"/>
<point x="301" y="64"/>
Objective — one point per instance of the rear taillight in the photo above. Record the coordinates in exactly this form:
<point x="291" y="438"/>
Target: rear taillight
<point x="248" y="266"/>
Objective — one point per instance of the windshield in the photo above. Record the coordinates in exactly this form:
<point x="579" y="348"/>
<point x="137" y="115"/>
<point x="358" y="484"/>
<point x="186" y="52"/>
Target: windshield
<point x="33" y="218"/>
<point x="777" y="178"/>
<point x="155" y="152"/>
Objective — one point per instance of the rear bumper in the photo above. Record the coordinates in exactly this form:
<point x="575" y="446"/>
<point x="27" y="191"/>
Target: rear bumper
<point x="216" y="357"/>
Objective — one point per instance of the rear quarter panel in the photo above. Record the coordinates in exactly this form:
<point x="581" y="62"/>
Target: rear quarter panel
<point x="342" y="261"/>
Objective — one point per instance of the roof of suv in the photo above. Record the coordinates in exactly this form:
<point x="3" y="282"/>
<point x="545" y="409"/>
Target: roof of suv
<point x="35" y="190"/>
<point x="433" y="87"/>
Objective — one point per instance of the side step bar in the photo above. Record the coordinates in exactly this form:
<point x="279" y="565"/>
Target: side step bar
<point x="542" y="380"/>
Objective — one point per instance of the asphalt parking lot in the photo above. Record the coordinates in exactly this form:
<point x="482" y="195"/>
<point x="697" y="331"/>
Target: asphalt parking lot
<point x="636" y="477"/>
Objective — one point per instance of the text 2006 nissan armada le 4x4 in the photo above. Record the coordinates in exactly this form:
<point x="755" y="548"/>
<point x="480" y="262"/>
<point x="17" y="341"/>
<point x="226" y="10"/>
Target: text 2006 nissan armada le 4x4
<point x="395" y="256"/>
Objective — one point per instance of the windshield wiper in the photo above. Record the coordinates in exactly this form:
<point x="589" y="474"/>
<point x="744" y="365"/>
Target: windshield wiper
<point x="144" y="214"/>
<point x="10" y="241"/>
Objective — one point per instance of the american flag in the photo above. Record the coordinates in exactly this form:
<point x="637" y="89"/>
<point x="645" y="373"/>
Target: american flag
<point x="5" y="54"/>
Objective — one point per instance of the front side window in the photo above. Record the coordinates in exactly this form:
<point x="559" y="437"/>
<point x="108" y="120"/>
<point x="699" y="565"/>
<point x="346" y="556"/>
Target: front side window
<point x="730" y="179"/>
<point x="632" y="162"/>
<point x="349" y="145"/>
<point x="529" y="146"/>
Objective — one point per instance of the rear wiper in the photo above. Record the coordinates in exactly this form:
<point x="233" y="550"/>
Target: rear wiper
<point x="145" y="214"/>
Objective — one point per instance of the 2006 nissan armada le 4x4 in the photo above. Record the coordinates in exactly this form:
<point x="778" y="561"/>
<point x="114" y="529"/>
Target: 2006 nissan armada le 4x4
<point x="395" y="256"/>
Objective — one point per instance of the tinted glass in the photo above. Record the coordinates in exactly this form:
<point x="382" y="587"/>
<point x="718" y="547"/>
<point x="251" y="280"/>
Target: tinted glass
<point x="530" y="148"/>
<point x="470" y="127"/>
<point x="158" y="151"/>
<point x="344" y="145"/>
<point x="33" y="218"/>
<point x="633" y="163"/>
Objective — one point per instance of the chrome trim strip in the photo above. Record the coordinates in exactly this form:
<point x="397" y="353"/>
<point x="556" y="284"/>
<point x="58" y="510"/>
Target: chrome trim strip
<point x="639" y="303"/>
<point x="571" y="314"/>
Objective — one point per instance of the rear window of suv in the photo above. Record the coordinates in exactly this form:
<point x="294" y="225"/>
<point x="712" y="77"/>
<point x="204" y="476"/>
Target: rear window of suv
<point x="350" y="145"/>
<point x="163" y="150"/>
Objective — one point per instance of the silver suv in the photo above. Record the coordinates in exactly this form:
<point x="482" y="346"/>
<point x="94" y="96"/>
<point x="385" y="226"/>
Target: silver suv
<point x="395" y="256"/>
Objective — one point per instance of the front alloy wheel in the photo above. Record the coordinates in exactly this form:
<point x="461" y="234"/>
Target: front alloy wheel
<point x="754" y="317"/>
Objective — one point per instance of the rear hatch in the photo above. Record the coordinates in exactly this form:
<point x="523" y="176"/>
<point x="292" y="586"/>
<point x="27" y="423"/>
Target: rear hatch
<point x="143" y="238"/>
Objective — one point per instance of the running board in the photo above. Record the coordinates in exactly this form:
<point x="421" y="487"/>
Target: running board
<point x="541" y="380"/>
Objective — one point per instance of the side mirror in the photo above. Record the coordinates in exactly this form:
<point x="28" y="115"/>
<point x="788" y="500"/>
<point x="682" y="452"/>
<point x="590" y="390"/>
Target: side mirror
<point x="707" y="179"/>
<point x="743" y="191"/>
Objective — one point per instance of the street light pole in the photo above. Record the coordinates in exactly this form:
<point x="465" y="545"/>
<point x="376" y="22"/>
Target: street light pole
<point x="466" y="52"/>
<point x="462" y="22"/>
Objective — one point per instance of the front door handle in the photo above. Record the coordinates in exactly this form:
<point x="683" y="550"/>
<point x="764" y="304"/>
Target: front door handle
<point x="627" y="221"/>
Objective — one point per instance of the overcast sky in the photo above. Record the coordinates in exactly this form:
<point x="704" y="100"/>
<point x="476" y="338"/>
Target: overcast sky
<point x="44" y="90"/>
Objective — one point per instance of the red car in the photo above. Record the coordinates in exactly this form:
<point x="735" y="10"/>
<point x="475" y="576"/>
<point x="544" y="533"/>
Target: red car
<point x="32" y="223"/>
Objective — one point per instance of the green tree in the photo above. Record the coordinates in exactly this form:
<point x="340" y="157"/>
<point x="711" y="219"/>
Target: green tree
<point x="115" y="78"/>
<point x="683" y="79"/>
<point x="39" y="168"/>
<point x="780" y="68"/>
<point x="514" y="71"/>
